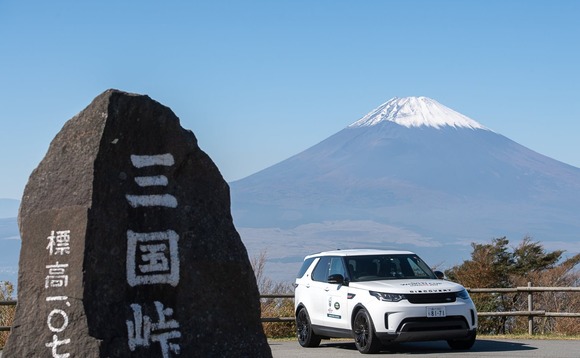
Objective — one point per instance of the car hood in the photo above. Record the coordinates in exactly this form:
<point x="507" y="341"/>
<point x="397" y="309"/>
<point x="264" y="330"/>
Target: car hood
<point x="409" y="286"/>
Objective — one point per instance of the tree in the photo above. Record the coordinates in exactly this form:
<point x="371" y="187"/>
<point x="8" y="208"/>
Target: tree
<point x="496" y="265"/>
<point x="530" y="257"/>
<point x="273" y="307"/>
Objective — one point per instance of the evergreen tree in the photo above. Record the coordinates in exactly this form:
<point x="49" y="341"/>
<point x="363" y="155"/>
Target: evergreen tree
<point x="496" y="265"/>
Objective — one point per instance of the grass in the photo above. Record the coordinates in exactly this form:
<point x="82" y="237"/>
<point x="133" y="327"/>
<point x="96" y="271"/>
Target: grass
<point x="530" y="336"/>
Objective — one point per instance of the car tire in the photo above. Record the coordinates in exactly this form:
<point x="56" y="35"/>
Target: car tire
<point x="365" y="339"/>
<point x="462" y="344"/>
<point x="306" y="337"/>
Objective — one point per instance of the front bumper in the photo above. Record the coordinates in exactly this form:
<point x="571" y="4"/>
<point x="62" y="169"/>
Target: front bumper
<point x="405" y="322"/>
<point x="428" y="329"/>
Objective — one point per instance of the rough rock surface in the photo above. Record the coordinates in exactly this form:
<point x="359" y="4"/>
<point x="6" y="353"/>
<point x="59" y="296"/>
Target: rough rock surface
<point x="128" y="244"/>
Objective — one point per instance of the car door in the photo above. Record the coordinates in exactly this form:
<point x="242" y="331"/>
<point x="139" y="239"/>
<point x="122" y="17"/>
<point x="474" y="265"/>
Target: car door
<point x="336" y="310"/>
<point x="328" y="300"/>
<point x="318" y="297"/>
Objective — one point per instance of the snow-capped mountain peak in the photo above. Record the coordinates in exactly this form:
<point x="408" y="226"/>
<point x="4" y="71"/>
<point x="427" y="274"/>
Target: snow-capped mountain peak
<point x="416" y="112"/>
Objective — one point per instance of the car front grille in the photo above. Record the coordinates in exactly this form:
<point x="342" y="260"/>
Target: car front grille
<point x="419" y="324"/>
<point x="419" y="298"/>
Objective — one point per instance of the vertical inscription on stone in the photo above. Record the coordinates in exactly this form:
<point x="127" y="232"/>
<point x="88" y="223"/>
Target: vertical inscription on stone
<point x="152" y="259"/>
<point x="55" y="284"/>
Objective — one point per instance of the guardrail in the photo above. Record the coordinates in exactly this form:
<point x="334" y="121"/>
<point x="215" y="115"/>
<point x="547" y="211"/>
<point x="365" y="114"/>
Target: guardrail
<point x="530" y="313"/>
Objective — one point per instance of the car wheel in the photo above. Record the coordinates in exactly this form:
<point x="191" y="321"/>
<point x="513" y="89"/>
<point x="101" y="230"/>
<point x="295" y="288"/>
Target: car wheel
<point x="462" y="344"/>
<point x="306" y="337"/>
<point x="365" y="339"/>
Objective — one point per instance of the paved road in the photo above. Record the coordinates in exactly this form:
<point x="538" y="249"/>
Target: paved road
<point x="483" y="348"/>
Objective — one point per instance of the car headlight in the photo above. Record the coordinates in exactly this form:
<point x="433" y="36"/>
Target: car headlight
<point x="462" y="294"/>
<point x="389" y="297"/>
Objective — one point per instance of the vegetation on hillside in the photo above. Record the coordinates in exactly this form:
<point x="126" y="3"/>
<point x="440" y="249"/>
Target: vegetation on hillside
<point x="497" y="265"/>
<point x="274" y="307"/>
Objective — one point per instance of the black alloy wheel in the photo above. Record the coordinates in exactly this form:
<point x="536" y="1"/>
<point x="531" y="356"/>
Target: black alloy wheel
<point x="306" y="337"/>
<point x="365" y="338"/>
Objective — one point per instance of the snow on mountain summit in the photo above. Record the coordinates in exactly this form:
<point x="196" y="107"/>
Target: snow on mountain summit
<point x="416" y="112"/>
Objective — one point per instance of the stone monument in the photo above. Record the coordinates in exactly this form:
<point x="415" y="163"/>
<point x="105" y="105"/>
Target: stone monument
<point x="128" y="244"/>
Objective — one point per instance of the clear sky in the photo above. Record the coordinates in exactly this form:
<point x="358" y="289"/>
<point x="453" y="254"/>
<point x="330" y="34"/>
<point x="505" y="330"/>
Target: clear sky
<point x="260" y="81"/>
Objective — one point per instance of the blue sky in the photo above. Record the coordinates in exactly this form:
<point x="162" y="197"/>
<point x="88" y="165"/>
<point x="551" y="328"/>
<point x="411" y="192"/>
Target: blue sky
<point x="259" y="81"/>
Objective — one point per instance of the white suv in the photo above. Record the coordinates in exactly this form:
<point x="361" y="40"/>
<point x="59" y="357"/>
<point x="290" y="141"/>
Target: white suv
<point x="378" y="297"/>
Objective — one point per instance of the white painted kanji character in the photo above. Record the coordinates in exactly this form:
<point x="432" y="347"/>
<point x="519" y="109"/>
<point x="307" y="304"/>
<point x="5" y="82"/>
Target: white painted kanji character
<point x="56" y="276"/>
<point x="141" y="161"/>
<point x="55" y="344"/>
<point x="141" y="331"/>
<point x="152" y="258"/>
<point x="59" y="244"/>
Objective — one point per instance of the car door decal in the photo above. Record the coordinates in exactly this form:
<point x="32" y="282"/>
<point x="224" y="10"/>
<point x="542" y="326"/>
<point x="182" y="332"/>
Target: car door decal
<point x="333" y="308"/>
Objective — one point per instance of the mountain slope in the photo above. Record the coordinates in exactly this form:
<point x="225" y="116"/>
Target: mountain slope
<point x="415" y="166"/>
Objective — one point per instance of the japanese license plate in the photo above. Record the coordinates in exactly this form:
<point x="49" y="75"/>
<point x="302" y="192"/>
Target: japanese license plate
<point x="435" y="312"/>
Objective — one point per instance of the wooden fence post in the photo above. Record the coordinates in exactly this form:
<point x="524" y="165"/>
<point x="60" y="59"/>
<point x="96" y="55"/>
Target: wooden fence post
<point x="530" y="308"/>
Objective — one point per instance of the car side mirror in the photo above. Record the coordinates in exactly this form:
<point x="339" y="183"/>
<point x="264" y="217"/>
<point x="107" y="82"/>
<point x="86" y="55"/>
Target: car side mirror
<point x="440" y="275"/>
<point x="336" y="279"/>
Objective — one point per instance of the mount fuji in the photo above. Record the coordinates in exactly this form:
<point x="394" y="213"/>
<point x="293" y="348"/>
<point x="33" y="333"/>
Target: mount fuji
<point x="410" y="174"/>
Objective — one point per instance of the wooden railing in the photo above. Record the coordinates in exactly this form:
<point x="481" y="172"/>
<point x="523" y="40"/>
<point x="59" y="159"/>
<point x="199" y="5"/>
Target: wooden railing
<point x="6" y="303"/>
<point x="530" y="313"/>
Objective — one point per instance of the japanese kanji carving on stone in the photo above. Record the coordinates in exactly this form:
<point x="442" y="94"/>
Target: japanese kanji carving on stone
<point x="128" y="244"/>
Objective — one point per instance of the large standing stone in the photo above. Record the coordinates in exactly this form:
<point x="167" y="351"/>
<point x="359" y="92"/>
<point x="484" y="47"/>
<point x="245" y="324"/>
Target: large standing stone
<point x="128" y="245"/>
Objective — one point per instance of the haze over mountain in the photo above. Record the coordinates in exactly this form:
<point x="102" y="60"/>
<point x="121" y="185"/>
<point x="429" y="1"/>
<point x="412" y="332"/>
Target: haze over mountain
<point x="9" y="240"/>
<point x="410" y="174"/>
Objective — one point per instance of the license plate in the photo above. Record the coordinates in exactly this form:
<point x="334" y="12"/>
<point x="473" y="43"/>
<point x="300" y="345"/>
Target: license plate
<point x="433" y="312"/>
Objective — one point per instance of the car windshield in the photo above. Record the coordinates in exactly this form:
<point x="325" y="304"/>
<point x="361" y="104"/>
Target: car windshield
<point x="387" y="267"/>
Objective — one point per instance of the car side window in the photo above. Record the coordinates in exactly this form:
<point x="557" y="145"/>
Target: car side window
<point x="305" y="265"/>
<point x="337" y="266"/>
<point x="321" y="270"/>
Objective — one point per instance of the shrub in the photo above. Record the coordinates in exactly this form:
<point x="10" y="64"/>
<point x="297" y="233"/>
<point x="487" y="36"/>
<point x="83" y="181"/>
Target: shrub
<point x="6" y="312"/>
<point x="496" y="265"/>
<point x="274" y="307"/>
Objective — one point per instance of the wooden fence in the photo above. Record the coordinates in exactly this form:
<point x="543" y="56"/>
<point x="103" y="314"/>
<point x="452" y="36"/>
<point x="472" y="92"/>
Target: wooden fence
<point x="530" y="313"/>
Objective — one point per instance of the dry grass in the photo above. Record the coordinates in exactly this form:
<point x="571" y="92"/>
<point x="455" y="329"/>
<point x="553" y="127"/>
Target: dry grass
<point x="278" y="307"/>
<point x="6" y="312"/>
<point x="530" y="336"/>
<point x="274" y="307"/>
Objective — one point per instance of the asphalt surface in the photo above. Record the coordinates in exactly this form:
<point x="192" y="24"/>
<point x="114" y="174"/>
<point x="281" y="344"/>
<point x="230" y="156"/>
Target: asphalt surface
<point x="482" y="348"/>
